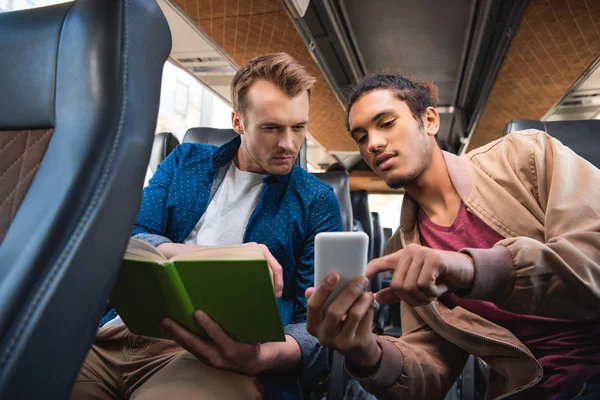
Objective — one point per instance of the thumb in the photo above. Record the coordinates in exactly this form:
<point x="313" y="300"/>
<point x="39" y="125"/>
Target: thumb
<point x="386" y="296"/>
<point x="309" y="292"/>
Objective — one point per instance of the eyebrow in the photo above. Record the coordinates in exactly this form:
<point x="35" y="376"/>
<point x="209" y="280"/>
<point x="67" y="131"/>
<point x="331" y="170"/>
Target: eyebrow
<point x="271" y="123"/>
<point x="375" y="118"/>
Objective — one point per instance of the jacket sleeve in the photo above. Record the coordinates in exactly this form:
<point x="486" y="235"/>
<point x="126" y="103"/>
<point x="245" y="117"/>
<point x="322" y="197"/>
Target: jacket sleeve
<point x="419" y="365"/>
<point x="559" y="277"/>
<point x="149" y="223"/>
<point x="324" y="217"/>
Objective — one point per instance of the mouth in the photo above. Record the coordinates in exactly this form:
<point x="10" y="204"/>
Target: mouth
<point x="384" y="161"/>
<point x="283" y="159"/>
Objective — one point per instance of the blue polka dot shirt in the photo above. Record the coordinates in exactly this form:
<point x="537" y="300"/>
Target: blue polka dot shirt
<point x="291" y="210"/>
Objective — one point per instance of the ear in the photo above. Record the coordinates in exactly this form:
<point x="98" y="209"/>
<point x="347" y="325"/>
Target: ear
<point x="432" y="121"/>
<point x="236" y="122"/>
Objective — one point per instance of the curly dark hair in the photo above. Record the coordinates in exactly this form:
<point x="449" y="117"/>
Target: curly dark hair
<point x="418" y="94"/>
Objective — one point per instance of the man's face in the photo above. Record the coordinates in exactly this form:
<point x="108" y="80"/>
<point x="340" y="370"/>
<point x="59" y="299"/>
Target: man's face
<point x="273" y="128"/>
<point x="390" y="139"/>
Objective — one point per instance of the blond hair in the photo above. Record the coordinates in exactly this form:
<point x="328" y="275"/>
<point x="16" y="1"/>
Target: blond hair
<point x="280" y="69"/>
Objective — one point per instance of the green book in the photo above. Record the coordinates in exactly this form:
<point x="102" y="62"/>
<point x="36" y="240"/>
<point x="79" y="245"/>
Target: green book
<point x="231" y="284"/>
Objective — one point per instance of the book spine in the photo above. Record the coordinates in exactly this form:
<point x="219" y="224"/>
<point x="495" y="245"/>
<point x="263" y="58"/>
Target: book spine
<point x="178" y="301"/>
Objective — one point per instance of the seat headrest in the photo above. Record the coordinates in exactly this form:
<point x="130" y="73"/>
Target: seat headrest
<point x="28" y="65"/>
<point x="212" y="136"/>
<point x="164" y="144"/>
<point x="522" y="124"/>
<point x="580" y="136"/>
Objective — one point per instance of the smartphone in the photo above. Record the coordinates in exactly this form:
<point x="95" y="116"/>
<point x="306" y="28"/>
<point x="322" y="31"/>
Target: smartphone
<point x="342" y="252"/>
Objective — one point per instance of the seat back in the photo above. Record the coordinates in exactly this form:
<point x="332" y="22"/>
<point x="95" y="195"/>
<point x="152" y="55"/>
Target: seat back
<point x="387" y="234"/>
<point x="164" y="143"/>
<point x="579" y="136"/>
<point x="80" y="94"/>
<point x="361" y="212"/>
<point x="378" y="241"/>
<point x="218" y="137"/>
<point x="339" y="181"/>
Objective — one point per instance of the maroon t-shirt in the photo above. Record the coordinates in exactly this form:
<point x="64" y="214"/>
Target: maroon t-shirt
<point x="569" y="351"/>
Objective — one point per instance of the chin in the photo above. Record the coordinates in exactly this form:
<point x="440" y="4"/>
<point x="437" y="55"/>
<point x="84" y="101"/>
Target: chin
<point x="280" y="170"/>
<point x="400" y="181"/>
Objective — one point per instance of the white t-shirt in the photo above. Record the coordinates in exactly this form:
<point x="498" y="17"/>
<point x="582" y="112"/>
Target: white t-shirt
<point x="225" y="219"/>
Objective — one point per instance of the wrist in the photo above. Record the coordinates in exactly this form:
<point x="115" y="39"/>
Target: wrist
<point x="266" y="357"/>
<point x="369" y="357"/>
<point x="467" y="283"/>
<point x="282" y="356"/>
<point x="366" y="366"/>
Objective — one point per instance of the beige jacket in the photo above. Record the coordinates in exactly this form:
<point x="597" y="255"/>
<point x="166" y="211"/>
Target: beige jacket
<point x="545" y="201"/>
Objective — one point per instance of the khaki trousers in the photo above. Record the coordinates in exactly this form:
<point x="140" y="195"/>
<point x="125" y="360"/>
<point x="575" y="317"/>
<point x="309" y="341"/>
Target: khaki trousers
<point x="122" y="365"/>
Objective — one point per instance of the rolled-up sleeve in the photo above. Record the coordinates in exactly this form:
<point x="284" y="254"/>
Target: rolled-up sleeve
<point x="152" y="239"/>
<point x="315" y="358"/>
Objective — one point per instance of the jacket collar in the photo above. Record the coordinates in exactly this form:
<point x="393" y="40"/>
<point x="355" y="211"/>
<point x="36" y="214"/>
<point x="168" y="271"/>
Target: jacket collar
<point x="225" y="154"/>
<point x="461" y="178"/>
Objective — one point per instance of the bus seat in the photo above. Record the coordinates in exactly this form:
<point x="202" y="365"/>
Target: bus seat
<point x="381" y="311"/>
<point x="301" y="161"/>
<point x="361" y="212"/>
<point x="211" y="136"/>
<point x="218" y="137"/>
<point x="377" y="235"/>
<point x="580" y="136"/>
<point x="387" y="234"/>
<point x="164" y="143"/>
<point x="81" y="87"/>
<point x="339" y="181"/>
<point x="357" y="226"/>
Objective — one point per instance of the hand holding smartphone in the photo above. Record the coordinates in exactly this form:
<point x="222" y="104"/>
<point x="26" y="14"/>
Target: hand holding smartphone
<point x="342" y="252"/>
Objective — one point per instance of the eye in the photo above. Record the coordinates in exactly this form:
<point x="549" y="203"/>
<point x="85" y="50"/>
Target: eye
<point x="388" y="124"/>
<point x="270" y="128"/>
<point x="361" y="139"/>
<point x="298" y="128"/>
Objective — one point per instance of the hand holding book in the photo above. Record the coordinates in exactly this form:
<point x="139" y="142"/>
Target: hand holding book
<point x="170" y="250"/>
<point x="223" y="352"/>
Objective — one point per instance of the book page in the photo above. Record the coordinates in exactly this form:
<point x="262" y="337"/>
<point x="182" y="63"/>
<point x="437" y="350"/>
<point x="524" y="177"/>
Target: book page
<point x="233" y="252"/>
<point x="142" y="251"/>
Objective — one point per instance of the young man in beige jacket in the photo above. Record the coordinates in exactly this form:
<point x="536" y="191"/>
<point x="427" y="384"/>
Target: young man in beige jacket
<point x="497" y="255"/>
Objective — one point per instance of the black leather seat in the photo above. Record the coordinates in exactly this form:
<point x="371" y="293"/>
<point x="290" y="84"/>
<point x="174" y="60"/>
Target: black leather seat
<point x="218" y="137"/>
<point x="579" y="136"/>
<point x="378" y="241"/>
<point x="164" y="143"/>
<point x="361" y="212"/>
<point x="339" y="181"/>
<point x="387" y="234"/>
<point x="80" y="94"/>
<point x="381" y="316"/>
<point x="212" y="136"/>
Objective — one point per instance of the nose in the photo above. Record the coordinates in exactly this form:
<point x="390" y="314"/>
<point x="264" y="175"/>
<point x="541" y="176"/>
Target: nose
<point x="286" y="140"/>
<point x="377" y="142"/>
